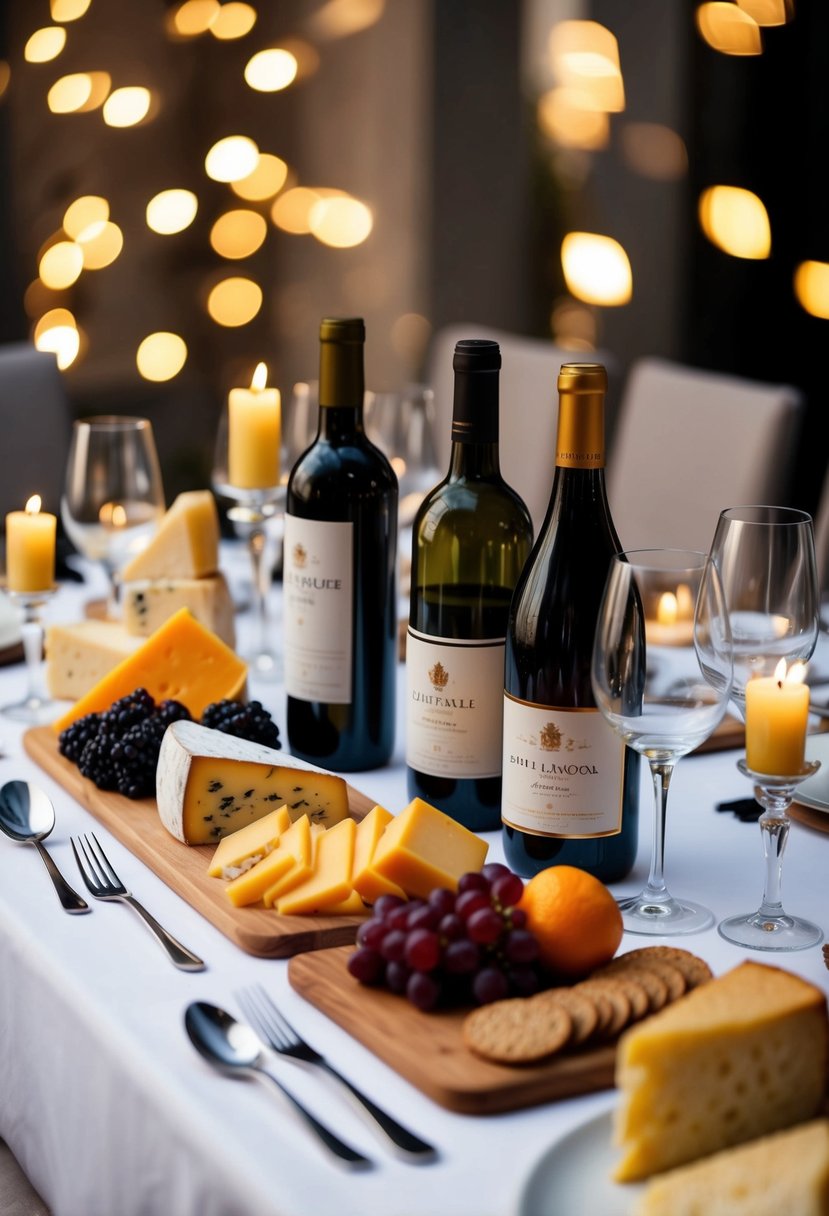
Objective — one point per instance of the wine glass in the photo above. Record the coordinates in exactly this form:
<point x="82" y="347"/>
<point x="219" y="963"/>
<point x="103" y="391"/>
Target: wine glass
<point x="113" y="495"/>
<point x="256" y="507"/>
<point x="766" y="556"/>
<point x="661" y="675"/>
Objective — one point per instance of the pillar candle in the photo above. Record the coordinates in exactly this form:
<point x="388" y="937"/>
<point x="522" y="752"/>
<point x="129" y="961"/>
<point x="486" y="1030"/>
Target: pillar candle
<point x="30" y="548"/>
<point x="777" y="712"/>
<point x="254" y="434"/>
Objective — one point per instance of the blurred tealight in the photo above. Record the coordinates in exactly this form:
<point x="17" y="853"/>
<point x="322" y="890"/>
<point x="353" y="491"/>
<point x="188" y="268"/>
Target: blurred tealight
<point x="729" y="29"/>
<point x="68" y="10"/>
<point x="238" y="234"/>
<point x="736" y="221"/>
<point x="78" y="92"/>
<point x="61" y="264"/>
<point x="811" y="287"/>
<point x="57" y="331"/>
<point x="127" y="106"/>
<point x="45" y="44"/>
<point x="85" y="211"/>
<point x="768" y="12"/>
<point x="234" y="301"/>
<point x="161" y="356"/>
<point x="270" y="70"/>
<point x="566" y="117"/>
<point x="233" y="20"/>
<point x="341" y="222"/>
<point x="171" y="211"/>
<point x="231" y="158"/>
<point x="596" y="269"/>
<point x="194" y="17"/>
<point x="266" y="180"/>
<point x="585" y="56"/>
<point x="100" y="245"/>
<point x="292" y="210"/>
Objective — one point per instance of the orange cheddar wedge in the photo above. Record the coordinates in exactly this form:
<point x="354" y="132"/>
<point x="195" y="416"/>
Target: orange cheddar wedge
<point x="245" y="847"/>
<point x="422" y="848"/>
<point x="366" y="881"/>
<point x="181" y="661"/>
<point x="330" y="882"/>
<point x="294" y="845"/>
<point x="302" y="846"/>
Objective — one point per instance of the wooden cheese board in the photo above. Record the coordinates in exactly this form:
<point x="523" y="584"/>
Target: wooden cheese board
<point x="427" y="1048"/>
<point x="256" y="930"/>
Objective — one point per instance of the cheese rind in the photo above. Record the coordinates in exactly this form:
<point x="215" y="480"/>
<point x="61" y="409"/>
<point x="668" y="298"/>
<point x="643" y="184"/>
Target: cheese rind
<point x="330" y="882"/>
<point x="148" y="603"/>
<point x="182" y="660"/>
<point x="423" y="848"/>
<point x="293" y="849"/>
<point x="737" y="1057"/>
<point x="785" y="1172"/>
<point x="78" y="655"/>
<point x="368" y="884"/>
<point x="208" y="784"/>
<point x="242" y="849"/>
<point x="186" y="544"/>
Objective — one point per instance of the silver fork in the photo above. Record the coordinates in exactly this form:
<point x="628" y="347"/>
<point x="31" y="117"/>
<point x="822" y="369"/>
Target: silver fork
<point x="102" y="882"/>
<point x="275" y="1031"/>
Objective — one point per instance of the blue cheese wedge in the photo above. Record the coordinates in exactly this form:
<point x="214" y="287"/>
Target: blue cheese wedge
<point x="209" y="784"/>
<point x="243" y="848"/>
<point x="147" y="603"/>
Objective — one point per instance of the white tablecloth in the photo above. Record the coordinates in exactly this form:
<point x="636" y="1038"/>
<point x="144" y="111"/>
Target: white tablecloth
<point x="112" y="1113"/>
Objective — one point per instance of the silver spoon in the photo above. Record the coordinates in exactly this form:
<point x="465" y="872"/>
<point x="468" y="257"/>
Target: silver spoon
<point x="27" y="817"/>
<point x="234" y="1049"/>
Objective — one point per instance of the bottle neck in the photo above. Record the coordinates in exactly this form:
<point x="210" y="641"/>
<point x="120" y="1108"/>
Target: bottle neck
<point x="341" y="388"/>
<point x="475" y="425"/>
<point x="580" y="433"/>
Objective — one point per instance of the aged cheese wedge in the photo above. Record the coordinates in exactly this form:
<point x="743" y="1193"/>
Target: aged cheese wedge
<point x="330" y="882"/>
<point x="182" y="660"/>
<point x="422" y="848"/>
<point x="148" y="603"/>
<point x="80" y="654"/>
<point x="302" y="866"/>
<point x="242" y="849"/>
<point x="737" y="1057"/>
<point x="209" y="784"/>
<point x="186" y="544"/>
<point x="368" y="884"/>
<point x="294" y="849"/>
<point x="352" y="906"/>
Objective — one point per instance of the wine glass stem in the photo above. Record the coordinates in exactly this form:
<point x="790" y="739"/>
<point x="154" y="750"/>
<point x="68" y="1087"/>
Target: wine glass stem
<point x="256" y="547"/>
<point x="31" y="632"/>
<point x="774" y="826"/>
<point x="661" y="773"/>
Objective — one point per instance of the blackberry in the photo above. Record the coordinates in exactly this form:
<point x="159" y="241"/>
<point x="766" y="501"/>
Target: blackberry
<point x="172" y="711"/>
<point x="251" y="721"/>
<point x="135" y="757"/>
<point x="77" y="734"/>
<point x="126" y="711"/>
<point x="96" y="762"/>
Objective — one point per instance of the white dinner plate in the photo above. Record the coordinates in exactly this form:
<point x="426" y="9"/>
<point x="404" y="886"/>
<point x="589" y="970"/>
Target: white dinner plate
<point x="573" y="1178"/>
<point x="9" y="623"/>
<point x="814" y="792"/>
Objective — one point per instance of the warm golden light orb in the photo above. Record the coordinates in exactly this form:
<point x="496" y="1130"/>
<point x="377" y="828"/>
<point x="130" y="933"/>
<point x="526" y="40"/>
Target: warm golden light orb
<point x="78" y="92"/>
<point x="85" y="211"/>
<point x="292" y="210"/>
<point x="61" y="265"/>
<point x="736" y="221"/>
<point x="233" y="20"/>
<point x="195" y="17"/>
<point x="266" y="180"/>
<point x="341" y="18"/>
<point x="341" y="222"/>
<point x="585" y="56"/>
<point x="566" y="116"/>
<point x="654" y="151"/>
<point x="100" y="245"/>
<point x="127" y="106"/>
<point x="729" y="29"/>
<point x="171" y="211"/>
<point x="68" y="10"/>
<point x="596" y="269"/>
<point x="811" y="287"/>
<point x="270" y="70"/>
<point x="238" y="234"/>
<point x="45" y="44"/>
<point x="234" y="301"/>
<point x="57" y="331"/>
<point x="768" y="12"/>
<point x="231" y="158"/>
<point x="161" y="356"/>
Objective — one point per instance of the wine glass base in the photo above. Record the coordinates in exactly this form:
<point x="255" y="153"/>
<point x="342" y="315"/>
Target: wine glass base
<point x="35" y="711"/>
<point x="663" y="918"/>
<point x="757" y="932"/>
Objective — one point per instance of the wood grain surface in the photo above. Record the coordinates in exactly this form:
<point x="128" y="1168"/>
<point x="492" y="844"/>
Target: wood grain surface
<point x="256" y="930"/>
<point x="427" y="1048"/>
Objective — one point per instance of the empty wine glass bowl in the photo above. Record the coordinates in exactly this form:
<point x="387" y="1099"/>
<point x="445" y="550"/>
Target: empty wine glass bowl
<point x="113" y="496"/>
<point x="661" y="675"/>
<point x="766" y="558"/>
<point x="402" y="424"/>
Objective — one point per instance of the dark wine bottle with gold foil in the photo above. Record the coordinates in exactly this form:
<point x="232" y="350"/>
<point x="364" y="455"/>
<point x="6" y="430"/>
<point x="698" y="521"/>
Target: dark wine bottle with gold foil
<point x="339" y="575"/>
<point x="570" y="786"/>
<point x="471" y="537"/>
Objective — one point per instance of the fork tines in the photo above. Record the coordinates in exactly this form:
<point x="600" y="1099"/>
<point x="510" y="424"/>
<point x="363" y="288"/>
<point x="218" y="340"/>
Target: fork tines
<point x="95" y="868"/>
<point x="265" y="1018"/>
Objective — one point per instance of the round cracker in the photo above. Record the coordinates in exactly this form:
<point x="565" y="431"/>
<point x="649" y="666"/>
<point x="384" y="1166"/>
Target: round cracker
<point x="671" y="976"/>
<point x="652" y="982"/>
<point x="583" y="1010"/>
<point x="695" y="969"/>
<point x="514" y="1031"/>
<point x="621" y="1012"/>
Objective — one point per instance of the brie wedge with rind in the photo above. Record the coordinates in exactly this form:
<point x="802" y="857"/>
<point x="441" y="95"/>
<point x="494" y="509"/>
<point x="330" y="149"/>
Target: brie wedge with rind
<point x="209" y="784"/>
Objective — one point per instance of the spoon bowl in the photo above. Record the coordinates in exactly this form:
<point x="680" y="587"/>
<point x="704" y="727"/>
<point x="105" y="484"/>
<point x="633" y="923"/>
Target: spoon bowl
<point x="234" y="1049"/>
<point x="27" y="816"/>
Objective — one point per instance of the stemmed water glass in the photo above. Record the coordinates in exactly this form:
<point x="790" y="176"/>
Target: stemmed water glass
<point x="766" y="557"/>
<point x="113" y="496"/>
<point x="662" y="679"/>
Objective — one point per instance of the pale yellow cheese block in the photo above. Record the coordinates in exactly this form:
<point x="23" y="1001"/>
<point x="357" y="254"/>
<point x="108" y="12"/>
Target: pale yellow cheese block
<point x="80" y="654"/>
<point x="330" y="882"/>
<point x="148" y="603"/>
<point x="242" y="849"/>
<point x="302" y="868"/>
<point x="737" y="1057"/>
<point x="186" y="544"/>
<point x="423" y="848"/>
<point x="368" y="884"/>
<point x="294" y="848"/>
<point x="783" y="1174"/>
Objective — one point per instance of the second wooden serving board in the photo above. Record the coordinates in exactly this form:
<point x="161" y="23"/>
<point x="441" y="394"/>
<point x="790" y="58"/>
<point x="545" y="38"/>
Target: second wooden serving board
<point x="136" y="823"/>
<point x="428" y="1050"/>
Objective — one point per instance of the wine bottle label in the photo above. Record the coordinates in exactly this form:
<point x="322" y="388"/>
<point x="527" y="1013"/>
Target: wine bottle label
<point x="454" y="705"/>
<point x="562" y="771"/>
<point x="317" y="590"/>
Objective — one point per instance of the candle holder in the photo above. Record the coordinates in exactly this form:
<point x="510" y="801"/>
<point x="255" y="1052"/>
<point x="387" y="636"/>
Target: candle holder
<point x="250" y="517"/>
<point x="770" y="928"/>
<point x="36" y="707"/>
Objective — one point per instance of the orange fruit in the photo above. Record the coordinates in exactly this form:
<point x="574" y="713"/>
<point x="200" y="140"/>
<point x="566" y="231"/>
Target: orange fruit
<point x="574" y="917"/>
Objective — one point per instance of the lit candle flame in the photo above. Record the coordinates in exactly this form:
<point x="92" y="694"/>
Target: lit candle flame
<point x="259" y="378"/>
<point x="112" y="515"/>
<point x="33" y="505"/>
<point x="796" y="674"/>
<point x="667" y="609"/>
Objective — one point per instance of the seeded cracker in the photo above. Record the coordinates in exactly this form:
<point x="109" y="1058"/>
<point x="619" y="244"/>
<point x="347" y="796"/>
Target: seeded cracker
<point x="514" y="1031"/>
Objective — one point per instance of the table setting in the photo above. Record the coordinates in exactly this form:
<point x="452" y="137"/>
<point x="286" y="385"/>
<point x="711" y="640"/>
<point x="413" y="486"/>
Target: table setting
<point x="166" y="1048"/>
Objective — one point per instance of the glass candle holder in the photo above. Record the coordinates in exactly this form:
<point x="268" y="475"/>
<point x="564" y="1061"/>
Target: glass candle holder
<point x="36" y="707"/>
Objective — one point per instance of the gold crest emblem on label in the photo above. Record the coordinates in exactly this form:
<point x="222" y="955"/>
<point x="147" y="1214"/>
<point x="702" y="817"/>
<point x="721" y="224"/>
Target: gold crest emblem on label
<point x="439" y="676"/>
<point x="300" y="555"/>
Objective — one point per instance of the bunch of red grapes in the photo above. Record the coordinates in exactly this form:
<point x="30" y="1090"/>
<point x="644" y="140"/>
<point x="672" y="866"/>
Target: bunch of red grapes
<point x="454" y="948"/>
